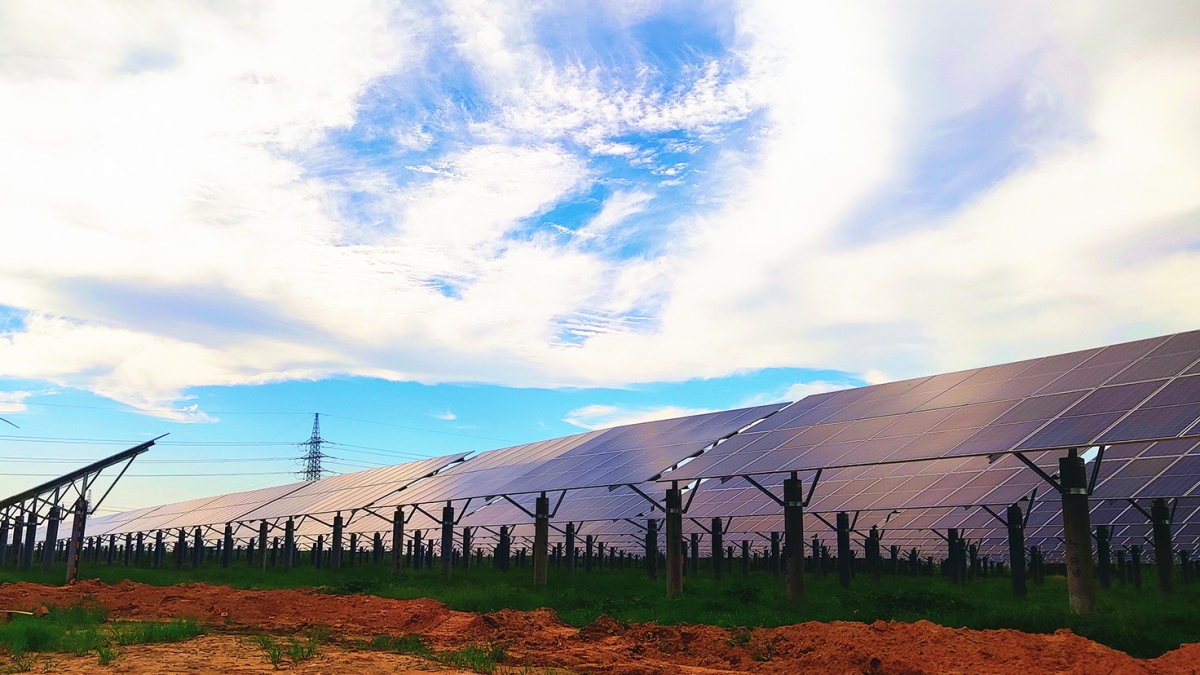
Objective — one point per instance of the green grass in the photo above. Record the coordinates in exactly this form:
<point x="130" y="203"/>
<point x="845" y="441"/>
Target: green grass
<point x="476" y="658"/>
<point x="1142" y="623"/>
<point x="84" y="629"/>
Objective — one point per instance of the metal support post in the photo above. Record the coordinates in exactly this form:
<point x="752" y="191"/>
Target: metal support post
<point x="227" y="550"/>
<point x="198" y="550"/>
<point x="793" y="541"/>
<point x="570" y="548"/>
<point x="262" y="544"/>
<point x="718" y="548"/>
<point x="51" y="538"/>
<point x="1016" y="549"/>
<point x="289" y="543"/>
<point x="335" y="544"/>
<point x="397" y="539"/>
<point x="352" y="550"/>
<point x="694" y="549"/>
<point x="447" y="541"/>
<point x="76" y="541"/>
<point x="541" y="541"/>
<point x="651" y="548"/>
<point x="674" y="525"/>
<point x="31" y="542"/>
<point x="775" y="553"/>
<point x="843" y="548"/>
<point x="1164" y="551"/>
<point x="1135" y="566"/>
<point x="1077" y="533"/>
<point x="160" y="549"/>
<point x="466" y="548"/>
<point x="953" y="544"/>
<point x="1103" y="548"/>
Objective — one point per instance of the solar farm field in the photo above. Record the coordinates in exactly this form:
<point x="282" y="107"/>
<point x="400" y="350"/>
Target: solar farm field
<point x="1041" y="515"/>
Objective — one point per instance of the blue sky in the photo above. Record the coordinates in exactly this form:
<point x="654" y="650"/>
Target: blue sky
<point x="459" y="225"/>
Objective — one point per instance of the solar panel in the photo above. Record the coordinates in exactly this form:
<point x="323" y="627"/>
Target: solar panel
<point x="1068" y="400"/>
<point x="351" y="490"/>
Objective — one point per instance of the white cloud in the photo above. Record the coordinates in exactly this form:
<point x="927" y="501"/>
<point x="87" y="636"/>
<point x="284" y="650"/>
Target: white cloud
<point x="598" y="416"/>
<point x="804" y="389"/>
<point x="616" y="209"/>
<point x="446" y="416"/>
<point x="164" y="228"/>
<point x="14" y="401"/>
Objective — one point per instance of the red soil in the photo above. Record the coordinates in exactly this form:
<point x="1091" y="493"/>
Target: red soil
<point x="540" y="639"/>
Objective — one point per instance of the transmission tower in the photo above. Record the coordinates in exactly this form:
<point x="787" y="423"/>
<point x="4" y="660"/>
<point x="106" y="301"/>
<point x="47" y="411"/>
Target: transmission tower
<point x="312" y="452"/>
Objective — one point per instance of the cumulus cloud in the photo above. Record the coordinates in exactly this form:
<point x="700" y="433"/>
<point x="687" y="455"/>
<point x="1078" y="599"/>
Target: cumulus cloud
<point x="180" y="207"/>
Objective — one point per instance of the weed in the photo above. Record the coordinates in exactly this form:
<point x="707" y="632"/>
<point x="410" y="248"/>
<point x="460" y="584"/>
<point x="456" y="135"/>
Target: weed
<point x="271" y="649"/>
<point x="298" y="651"/>
<point x="20" y="663"/>
<point x="107" y="654"/>
<point x="476" y="658"/>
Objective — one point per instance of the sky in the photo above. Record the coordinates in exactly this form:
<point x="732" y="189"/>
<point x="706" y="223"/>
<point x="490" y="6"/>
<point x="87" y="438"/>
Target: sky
<point x="456" y="226"/>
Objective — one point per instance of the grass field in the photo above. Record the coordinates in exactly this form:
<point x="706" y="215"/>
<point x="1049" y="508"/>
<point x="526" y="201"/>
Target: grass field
<point x="1140" y="622"/>
<point x="83" y="629"/>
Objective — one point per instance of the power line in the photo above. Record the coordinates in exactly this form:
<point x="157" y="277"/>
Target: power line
<point x="242" y="412"/>
<point x="431" y="431"/>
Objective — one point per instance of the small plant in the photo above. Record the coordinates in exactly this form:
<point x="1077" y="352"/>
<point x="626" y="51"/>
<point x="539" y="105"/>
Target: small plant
<point x="476" y="658"/>
<point x="271" y="649"/>
<point x="107" y="654"/>
<point x="298" y="651"/>
<point x="20" y="663"/>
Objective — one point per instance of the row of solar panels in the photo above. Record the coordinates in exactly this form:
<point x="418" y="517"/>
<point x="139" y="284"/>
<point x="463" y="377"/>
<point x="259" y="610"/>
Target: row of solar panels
<point x="924" y="447"/>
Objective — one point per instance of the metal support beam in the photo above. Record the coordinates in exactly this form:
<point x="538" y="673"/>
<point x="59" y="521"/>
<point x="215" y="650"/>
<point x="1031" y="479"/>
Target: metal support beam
<point x="843" y="548"/>
<point x="1164" y="552"/>
<point x="1077" y="533"/>
<point x="674" y="523"/>
<point x="447" y="541"/>
<point x="793" y="539"/>
<point x="541" y="542"/>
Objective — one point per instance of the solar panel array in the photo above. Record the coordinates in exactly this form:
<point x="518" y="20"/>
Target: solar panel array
<point x="912" y="457"/>
<point x="1137" y="391"/>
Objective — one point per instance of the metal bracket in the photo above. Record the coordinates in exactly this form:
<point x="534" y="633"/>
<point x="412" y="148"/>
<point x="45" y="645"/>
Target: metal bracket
<point x="1029" y="511"/>
<point x="812" y="487"/>
<point x="1139" y="508"/>
<point x="110" y="487"/>
<point x="692" y="495"/>
<point x="561" y="496"/>
<point x="701" y="526"/>
<point x="995" y="515"/>
<point x="854" y="522"/>
<point x="417" y="507"/>
<point x="764" y="490"/>
<point x="636" y="524"/>
<point x="462" y="513"/>
<point x="944" y="537"/>
<point x="1174" y="505"/>
<point x="647" y="497"/>
<point x="526" y="511"/>
<point x="827" y="523"/>
<point x="1037" y="469"/>
<point x="1096" y="470"/>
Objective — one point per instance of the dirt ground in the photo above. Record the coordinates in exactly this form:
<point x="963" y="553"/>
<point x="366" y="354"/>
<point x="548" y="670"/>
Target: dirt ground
<point x="540" y="640"/>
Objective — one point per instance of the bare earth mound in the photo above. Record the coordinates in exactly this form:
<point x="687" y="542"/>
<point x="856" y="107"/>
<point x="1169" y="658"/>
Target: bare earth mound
<point x="540" y="639"/>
